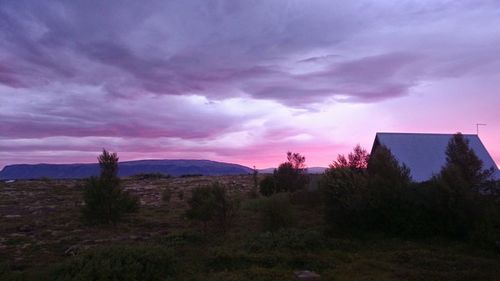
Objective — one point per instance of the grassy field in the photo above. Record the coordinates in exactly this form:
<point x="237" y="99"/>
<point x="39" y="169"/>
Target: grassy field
<point x="42" y="237"/>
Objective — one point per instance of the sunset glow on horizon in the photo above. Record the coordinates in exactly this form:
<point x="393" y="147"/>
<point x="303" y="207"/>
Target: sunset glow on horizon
<point x="241" y="81"/>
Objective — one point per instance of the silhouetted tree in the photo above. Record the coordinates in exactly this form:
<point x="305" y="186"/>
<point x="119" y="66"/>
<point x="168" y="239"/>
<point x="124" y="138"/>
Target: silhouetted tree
<point x="292" y="174"/>
<point x="384" y="167"/>
<point x="388" y="183"/>
<point x="356" y="160"/>
<point x="105" y="200"/>
<point x="344" y="185"/>
<point x="462" y="158"/>
<point x="109" y="166"/>
<point x="461" y="184"/>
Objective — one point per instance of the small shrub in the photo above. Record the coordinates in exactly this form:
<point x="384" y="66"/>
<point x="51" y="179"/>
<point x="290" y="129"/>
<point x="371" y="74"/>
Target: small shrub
<point x="225" y="208"/>
<point x="180" y="195"/>
<point x="277" y="212"/>
<point x="201" y="205"/>
<point x="118" y="263"/>
<point x="213" y="204"/>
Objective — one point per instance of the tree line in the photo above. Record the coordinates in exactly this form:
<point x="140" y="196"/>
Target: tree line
<point x="361" y="193"/>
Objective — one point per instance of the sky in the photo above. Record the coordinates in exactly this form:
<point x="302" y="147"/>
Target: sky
<point x="241" y="81"/>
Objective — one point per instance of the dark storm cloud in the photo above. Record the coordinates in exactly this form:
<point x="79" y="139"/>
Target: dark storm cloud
<point x="214" y="48"/>
<point x="220" y="49"/>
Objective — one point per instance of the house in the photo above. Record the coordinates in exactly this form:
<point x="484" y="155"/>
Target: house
<point x="425" y="154"/>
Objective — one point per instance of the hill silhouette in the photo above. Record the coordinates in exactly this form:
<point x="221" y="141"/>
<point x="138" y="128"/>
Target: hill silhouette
<point x="175" y="167"/>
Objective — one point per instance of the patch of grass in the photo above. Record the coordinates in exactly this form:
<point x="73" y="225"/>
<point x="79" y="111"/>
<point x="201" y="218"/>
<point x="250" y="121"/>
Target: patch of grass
<point x="118" y="263"/>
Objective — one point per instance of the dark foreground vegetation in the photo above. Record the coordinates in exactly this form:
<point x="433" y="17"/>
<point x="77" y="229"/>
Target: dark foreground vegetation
<point x="360" y="224"/>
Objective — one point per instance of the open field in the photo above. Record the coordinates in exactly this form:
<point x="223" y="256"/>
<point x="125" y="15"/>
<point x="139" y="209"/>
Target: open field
<point x="40" y="227"/>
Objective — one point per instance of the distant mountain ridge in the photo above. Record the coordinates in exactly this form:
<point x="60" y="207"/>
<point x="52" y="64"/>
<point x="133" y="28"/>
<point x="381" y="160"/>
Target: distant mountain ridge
<point x="310" y="170"/>
<point x="174" y="167"/>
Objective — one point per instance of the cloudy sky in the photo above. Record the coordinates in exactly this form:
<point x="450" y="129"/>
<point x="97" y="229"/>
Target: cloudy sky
<point x="241" y="81"/>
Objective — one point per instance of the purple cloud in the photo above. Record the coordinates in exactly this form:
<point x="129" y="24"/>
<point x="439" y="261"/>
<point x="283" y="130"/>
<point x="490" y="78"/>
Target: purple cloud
<point x="206" y="71"/>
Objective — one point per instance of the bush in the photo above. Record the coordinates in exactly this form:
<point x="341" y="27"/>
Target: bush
<point x="267" y="186"/>
<point x="367" y="192"/>
<point x="118" y="263"/>
<point x="105" y="201"/>
<point x="277" y="212"/>
<point x="213" y="204"/>
<point x="345" y="194"/>
<point x="290" y="176"/>
<point x="200" y="205"/>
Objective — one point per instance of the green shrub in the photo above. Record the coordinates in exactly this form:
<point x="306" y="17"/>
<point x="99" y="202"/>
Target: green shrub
<point x="118" y="263"/>
<point x="213" y="204"/>
<point x="277" y="212"/>
<point x="105" y="203"/>
<point x="201" y="205"/>
<point x="105" y="200"/>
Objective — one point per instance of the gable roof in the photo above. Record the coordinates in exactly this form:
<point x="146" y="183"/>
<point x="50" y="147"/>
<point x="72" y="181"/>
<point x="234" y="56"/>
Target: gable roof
<point x="425" y="154"/>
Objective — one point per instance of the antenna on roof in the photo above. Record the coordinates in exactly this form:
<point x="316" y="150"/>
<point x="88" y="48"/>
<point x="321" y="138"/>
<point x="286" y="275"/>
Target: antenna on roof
<point x="477" y="127"/>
